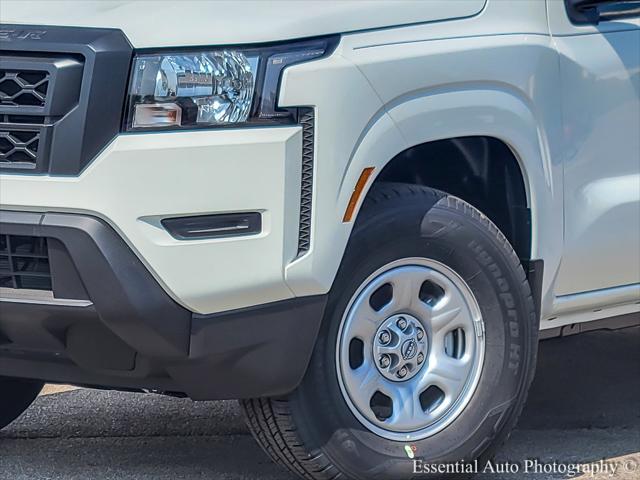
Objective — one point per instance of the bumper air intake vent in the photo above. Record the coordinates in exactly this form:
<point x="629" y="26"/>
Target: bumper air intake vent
<point x="24" y="263"/>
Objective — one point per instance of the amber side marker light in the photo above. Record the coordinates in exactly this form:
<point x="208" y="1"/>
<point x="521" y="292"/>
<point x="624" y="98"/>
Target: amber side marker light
<point x="357" y="192"/>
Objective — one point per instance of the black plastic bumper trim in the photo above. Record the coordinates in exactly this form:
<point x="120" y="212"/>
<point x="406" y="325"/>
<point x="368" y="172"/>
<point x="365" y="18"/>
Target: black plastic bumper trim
<point x="131" y="335"/>
<point x="535" y="272"/>
<point x="129" y="300"/>
<point x="254" y="352"/>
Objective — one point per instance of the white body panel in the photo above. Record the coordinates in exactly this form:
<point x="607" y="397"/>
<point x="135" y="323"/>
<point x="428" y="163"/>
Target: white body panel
<point x="192" y="22"/>
<point x="600" y="68"/>
<point x="488" y="70"/>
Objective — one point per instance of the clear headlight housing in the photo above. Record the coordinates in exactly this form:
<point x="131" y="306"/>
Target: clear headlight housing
<point x="209" y="88"/>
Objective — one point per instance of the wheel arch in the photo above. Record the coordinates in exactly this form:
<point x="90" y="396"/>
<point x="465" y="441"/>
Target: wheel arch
<point x="486" y="113"/>
<point x="481" y="170"/>
<point x="453" y="111"/>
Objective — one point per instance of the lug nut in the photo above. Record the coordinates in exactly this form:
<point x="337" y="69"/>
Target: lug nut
<point x="385" y="337"/>
<point x="420" y="358"/>
<point x="402" y="323"/>
<point x="420" y="334"/>
<point x="385" y="361"/>
<point x="402" y="372"/>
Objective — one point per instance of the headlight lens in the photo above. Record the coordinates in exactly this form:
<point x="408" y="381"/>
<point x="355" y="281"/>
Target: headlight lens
<point x="213" y="88"/>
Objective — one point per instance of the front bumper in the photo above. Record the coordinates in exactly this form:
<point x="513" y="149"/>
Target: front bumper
<point x="121" y="329"/>
<point x="139" y="179"/>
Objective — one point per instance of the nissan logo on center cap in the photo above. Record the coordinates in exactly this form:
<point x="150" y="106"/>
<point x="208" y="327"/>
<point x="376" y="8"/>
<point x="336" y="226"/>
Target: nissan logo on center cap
<point x="409" y="349"/>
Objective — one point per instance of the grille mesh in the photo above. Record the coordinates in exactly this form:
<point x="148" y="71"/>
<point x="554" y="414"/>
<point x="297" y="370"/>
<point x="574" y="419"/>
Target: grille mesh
<point x="25" y="88"/>
<point x="20" y="92"/>
<point x="24" y="262"/>
<point x="307" y="120"/>
<point x="19" y="146"/>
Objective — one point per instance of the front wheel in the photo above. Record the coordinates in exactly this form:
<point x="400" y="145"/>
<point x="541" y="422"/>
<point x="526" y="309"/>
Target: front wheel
<point x="426" y="352"/>
<point x="16" y="395"/>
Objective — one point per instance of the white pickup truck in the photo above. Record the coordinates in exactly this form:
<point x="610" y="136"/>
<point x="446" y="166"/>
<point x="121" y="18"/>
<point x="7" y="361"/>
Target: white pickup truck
<point x="357" y="217"/>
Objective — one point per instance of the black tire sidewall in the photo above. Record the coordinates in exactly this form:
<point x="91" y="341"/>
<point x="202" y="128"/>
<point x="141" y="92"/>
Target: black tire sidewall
<point x="451" y="232"/>
<point x="16" y="395"/>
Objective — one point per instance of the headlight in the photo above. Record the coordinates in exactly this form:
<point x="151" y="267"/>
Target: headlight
<point x="213" y="87"/>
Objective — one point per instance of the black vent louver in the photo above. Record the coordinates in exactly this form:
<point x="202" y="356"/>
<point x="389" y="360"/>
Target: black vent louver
<point x="307" y="121"/>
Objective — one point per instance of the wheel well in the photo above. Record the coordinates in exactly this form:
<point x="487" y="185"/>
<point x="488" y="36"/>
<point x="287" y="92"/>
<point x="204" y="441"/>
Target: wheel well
<point x="482" y="171"/>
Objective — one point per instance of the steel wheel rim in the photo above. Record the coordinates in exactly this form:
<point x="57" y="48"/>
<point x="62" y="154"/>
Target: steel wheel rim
<point x="428" y="295"/>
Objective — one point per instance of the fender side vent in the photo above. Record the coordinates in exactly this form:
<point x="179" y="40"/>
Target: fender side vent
<point x="307" y="121"/>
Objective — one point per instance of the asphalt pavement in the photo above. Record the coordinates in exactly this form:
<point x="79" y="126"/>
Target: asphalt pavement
<point x="583" y="409"/>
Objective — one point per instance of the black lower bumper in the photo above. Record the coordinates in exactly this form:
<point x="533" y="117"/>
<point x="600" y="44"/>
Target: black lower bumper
<point x="107" y="322"/>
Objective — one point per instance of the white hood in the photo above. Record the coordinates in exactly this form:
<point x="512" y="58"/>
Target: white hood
<point x="180" y="23"/>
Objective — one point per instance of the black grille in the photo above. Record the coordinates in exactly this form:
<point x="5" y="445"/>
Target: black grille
<point x="25" y="111"/>
<point x="66" y="85"/>
<point x="23" y="88"/>
<point x="24" y="262"/>
<point x="307" y="120"/>
<point x="19" y="146"/>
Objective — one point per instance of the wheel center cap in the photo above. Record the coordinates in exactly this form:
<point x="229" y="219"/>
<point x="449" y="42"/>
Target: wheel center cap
<point x="400" y="347"/>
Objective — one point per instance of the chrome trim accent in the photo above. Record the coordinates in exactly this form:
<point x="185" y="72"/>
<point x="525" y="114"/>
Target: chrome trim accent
<point x="39" y="297"/>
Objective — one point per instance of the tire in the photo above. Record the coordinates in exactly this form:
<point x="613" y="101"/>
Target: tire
<point x="318" y="434"/>
<point x="16" y="395"/>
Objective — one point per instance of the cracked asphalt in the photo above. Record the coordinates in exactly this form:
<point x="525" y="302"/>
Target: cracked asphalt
<point x="583" y="407"/>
